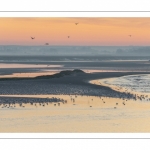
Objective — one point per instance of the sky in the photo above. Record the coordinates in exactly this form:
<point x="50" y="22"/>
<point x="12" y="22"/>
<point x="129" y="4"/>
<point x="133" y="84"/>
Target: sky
<point x="88" y="32"/>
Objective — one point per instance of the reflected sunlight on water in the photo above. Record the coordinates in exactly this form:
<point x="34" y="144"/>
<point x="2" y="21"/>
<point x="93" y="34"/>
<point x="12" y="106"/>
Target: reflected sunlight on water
<point x="136" y="83"/>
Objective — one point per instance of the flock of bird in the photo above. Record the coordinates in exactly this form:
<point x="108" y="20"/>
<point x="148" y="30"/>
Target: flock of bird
<point x="13" y="102"/>
<point x="32" y="38"/>
<point x="67" y="36"/>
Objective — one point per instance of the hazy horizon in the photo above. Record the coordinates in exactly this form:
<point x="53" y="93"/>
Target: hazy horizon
<point x="74" y="50"/>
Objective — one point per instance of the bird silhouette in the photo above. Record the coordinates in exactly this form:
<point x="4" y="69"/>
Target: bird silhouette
<point x="68" y="36"/>
<point x="32" y="38"/>
<point x="130" y="35"/>
<point x="46" y="43"/>
<point x="76" y="23"/>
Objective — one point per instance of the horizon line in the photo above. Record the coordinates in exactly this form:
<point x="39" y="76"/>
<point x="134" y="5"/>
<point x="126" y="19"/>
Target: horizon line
<point x="80" y="45"/>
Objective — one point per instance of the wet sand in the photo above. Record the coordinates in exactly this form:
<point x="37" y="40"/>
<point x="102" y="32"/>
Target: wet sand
<point x="85" y="114"/>
<point x="103" y="112"/>
<point x="30" y="75"/>
<point x="6" y="65"/>
<point x="88" y="107"/>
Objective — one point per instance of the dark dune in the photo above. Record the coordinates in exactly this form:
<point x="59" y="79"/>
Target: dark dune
<point x="61" y="74"/>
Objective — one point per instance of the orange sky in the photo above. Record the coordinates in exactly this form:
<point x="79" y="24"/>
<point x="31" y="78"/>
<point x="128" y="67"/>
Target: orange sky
<point x="89" y="31"/>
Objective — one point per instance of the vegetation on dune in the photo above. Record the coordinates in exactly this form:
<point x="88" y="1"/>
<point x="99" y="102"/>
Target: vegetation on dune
<point x="62" y="73"/>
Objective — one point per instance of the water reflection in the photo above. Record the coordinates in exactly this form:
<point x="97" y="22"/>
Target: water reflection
<point x="136" y="83"/>
<point x="77" y="114"/>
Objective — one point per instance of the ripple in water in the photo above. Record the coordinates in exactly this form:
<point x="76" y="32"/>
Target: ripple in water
<point x="138" y="83"/>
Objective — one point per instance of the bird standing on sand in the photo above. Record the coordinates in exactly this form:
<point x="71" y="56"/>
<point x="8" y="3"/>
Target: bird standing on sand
<point x="32" y="38"/>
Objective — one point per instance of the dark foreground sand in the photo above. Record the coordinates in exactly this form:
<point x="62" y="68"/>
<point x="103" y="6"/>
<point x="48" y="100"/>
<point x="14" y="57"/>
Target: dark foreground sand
<point x="74" y="84"/>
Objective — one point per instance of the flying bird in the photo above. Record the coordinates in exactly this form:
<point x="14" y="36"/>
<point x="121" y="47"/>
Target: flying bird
<point x="76" y="23"/>
<point x="32" y="38"/>
<point x="46" y="43"/>
<point x="68" y="36"/>
<point x="130" y="35"/>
